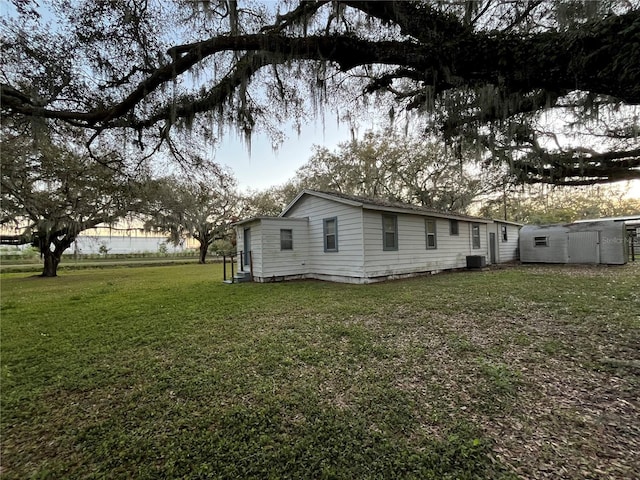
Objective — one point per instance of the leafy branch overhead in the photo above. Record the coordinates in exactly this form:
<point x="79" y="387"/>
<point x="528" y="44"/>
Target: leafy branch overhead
<point x="509" y="77"/>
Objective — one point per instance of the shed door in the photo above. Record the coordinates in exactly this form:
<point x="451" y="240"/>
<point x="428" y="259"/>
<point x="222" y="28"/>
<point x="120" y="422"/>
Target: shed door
<point x="584" y="247"/>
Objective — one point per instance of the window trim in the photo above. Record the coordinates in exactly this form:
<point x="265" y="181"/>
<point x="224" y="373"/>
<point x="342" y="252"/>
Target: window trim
<point x="325" y="221"/>
<point x="454" y="231"/>
<point x="282" y="240"/>
<point x="476" y="227"/>
<point x="393" y="247"/>
<point x="504" y="233"/>
<point x="433" y="233"/>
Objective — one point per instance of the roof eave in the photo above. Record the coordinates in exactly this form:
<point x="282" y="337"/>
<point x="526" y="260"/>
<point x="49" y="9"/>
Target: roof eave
<point x="326" y="196"/>
<point x="497" y="220"/>
<point x="426" y="213"/>
<point x="382" y="208"/>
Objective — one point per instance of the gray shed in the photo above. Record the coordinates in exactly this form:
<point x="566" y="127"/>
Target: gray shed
<point x="596" y="242"/>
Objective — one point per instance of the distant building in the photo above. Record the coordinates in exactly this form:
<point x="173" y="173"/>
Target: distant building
<point x="119" y="240"/>
<point x="122" y="238"/>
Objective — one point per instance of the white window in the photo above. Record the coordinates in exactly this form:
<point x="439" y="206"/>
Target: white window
<point x="475" y="235"/>
<point x="430" y="231"/>
<point x="389" y="232"/>
<point x="503" y="230"/>
<point x="330" y="230"/>
<point x="286" y="239"/>
<point x="540" y="241"/>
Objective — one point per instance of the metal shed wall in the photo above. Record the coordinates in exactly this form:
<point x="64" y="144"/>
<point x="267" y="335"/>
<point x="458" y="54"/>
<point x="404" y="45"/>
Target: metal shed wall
<point x="555" y="250"/>
<point x="589" y="242"/>
<point x="613" y="243"/>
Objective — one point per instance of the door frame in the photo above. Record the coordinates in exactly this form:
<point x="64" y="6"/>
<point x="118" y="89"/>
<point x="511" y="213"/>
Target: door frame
<point x="246" y="243"/>
<point x="492" y="247"/>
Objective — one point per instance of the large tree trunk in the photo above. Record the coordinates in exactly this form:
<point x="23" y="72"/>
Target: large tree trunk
<point x="52" y="257"/>
<point x="204" y="248"/>
<point x="51" y="262"/>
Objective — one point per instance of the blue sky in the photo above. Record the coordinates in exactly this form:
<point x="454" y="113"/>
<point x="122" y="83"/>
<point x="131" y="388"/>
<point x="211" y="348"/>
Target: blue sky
<point x="263" y="168"/>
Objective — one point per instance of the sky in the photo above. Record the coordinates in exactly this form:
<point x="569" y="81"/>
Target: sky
<point x="264" y="168"/>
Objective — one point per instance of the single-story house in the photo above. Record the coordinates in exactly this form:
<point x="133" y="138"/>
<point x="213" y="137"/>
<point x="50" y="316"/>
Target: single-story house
<point x="589" y="242"/>
<point x="343" y="238"/>
<point x="503" y="241"/>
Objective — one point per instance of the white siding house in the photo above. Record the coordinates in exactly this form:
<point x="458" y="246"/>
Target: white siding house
<point x="503" y="241"/>
<point x="343" y="238"/>
<point x="260" y="242"/>
<point x="345" y="218"/>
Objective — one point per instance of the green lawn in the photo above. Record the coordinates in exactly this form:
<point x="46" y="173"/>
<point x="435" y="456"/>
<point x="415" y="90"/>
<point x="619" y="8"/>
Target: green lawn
<point x="165" y="372"/>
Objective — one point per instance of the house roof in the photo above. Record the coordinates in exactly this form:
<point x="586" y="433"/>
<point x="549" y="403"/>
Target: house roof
<point x="382" y="205"/>
<point x="255" y="219"/>
<point x="497" y="220"/>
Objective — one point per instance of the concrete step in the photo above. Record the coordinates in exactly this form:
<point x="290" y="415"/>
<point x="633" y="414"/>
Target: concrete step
<point x="240" y="277"/>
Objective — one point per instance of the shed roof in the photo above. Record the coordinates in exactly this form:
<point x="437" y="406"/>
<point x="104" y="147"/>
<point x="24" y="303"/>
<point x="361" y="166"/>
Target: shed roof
<point x="571" y="227"/>
<point x="625" y="218"/>
<point x="631" y="221"/>
<point x="382" y="205"/>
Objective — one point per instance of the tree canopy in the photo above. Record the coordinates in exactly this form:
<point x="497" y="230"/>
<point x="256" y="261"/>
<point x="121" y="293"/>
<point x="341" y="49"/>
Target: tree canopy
<point x="400" y="168"/>
<point x="387" y="165"/>
<point x="541" y="204"/>
<point x="50" y="193"/>
<point x="200" y="208"/>
<point x="550" y="88"/>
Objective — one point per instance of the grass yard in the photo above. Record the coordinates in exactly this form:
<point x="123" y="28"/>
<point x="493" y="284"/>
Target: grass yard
<point x="164" y="372"/>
